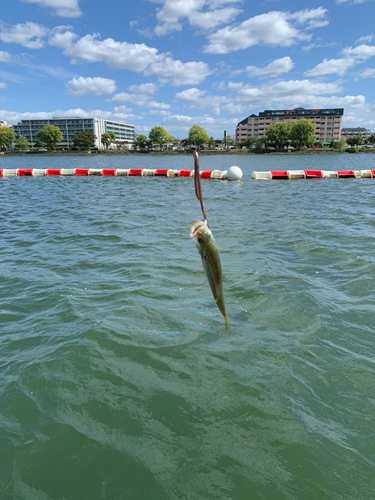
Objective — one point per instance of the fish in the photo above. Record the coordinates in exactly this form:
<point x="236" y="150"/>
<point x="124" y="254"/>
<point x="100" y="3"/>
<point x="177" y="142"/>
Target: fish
<point x="208" y="250"/>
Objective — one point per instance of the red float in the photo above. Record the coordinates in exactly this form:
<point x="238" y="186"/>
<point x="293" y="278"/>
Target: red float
<point x="81" y="171"/>
<point x="184" y="173"/>
<point x="109" y="171"/>
<point x="206" y="174"/>
<point x="345" y="173"/>
<point x="313" y="174"/>
<point x="25" y="171"/>
<point x="53" y="171"/>
<point x="135" y="171"/>
<point x="279" y="175"/>
<point x="161" y="172"/>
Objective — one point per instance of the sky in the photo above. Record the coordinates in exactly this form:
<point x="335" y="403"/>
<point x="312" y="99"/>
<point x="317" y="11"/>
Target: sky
<point x="179" y="63"/>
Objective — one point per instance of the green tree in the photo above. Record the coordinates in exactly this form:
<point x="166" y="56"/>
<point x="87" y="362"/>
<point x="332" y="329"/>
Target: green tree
<point x="279" y="133"/>
<point x="371" y="139"/>
<point x="248" y="143"/>
<point x="198" y="136"/>
<point x="352" y="141"/>
<point x="50" y="136"/>
<point x="7" y="135"/>
<point x="302" y="132"/>
<point x="108" y="138"/>
<point x="22" y="143"/>
<point x="140" y="142"/>
<point x="84" y="139"/>
<point x="158" y="135"/>
<point x="212" y="142"/>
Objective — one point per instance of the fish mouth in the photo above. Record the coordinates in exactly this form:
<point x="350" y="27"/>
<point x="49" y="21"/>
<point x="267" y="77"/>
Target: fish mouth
<point x="195" y="227"/>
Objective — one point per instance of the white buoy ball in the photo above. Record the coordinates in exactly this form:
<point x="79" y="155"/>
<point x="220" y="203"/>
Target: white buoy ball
<point x="234" y="174"/>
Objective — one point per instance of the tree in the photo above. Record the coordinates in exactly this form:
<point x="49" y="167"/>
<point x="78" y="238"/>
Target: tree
<point x="84" y="139"/>
<point x="249" y="142"/>
<point x="140" y="142"/>
<point x="22" y="143"/>
<point x="158" y="135"/>
<point x="50" y="136"/>
<point x="302" y="132"/>
<point x="212" y="142"/>
<point x="7" y="135"/>
<point x="108" y="138"/>
<point x="355" y="141"/>
<point x="198" y="136"/>
<point x="371" y="139"/>
<point x="279" y="133"/>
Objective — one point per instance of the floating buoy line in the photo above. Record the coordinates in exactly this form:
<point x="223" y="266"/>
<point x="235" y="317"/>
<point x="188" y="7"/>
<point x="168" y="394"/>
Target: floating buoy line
<point x="313" y="174"/>
<point x="233" y="173"/>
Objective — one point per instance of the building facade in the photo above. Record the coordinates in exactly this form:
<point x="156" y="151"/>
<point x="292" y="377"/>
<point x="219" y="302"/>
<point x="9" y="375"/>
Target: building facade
<point x="69" y="125"/>
<point x="3" y="124"/>
<point x="327" y="122"/>
<point x="352" y="132"/>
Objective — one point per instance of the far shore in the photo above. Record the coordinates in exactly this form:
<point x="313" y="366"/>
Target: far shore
<point x="202" y="152"/>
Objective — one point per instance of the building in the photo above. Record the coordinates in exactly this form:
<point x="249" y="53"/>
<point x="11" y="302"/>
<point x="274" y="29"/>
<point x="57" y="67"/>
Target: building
<point x="69" y="125"/>
<point x="3" y="124"/>
<point x="327" y="122"/>
<point x="352" y="132"/>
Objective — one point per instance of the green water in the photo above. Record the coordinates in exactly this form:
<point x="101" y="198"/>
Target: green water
<point x="117" y="380"/>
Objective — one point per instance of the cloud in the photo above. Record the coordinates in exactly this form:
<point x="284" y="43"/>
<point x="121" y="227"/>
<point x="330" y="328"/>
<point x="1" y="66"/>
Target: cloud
<point x="273" y="69"/>
<point x="273" y="28"/>
<point x="96" y="86"/>
<point x="3" y="85"/>
<point x="368" y="73"/>
<point x="141" y="96"/>
<point x="62" y="8"/>
<point x="28" y="34"/>
<point x="199" y="100"/>
<point x="120" y="113"/>
<point x="202" y="14"/>
<point x="365" y="39"/>
<point x="133" y="57"/>
<point x="351" y="58"/>
<point x="332" y="66"/>
<point x="353" y="2"/>
<point x="4" y="56"/>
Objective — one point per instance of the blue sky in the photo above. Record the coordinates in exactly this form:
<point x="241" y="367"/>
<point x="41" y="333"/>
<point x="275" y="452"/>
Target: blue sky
<point x="178" y="63"/>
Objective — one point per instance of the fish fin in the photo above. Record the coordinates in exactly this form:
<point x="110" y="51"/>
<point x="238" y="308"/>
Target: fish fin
<point x="227" y="324"/>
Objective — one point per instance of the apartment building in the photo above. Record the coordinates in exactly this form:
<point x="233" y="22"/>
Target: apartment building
<point x="352" y="132"/>
<point x="69" y="125"/>
<point x="327" y="122"/>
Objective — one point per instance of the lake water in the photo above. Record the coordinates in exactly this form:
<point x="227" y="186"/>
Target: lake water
<point x="117" y="380"/>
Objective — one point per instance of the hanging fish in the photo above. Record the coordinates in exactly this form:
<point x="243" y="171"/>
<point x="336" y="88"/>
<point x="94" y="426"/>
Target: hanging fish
<point x="208" y="249"/>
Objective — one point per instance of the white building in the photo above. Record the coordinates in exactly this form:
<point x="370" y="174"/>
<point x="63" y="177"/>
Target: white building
<point x="353" y="132"/>
<point x="3" y="124"/>
<point x="69" y="125"/>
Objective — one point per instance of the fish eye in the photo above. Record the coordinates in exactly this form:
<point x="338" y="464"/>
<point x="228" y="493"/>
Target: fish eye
<point x="200" y="240"/>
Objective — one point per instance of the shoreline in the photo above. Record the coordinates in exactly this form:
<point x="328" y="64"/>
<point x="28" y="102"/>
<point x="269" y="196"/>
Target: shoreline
<point x="231" y="152"/>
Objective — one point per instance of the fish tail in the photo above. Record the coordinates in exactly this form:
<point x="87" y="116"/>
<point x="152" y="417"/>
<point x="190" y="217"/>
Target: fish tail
<point x="227" y="324"/>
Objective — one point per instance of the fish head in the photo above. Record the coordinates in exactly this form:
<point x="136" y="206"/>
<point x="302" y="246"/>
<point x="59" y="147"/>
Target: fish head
<point x="199" y="231"/>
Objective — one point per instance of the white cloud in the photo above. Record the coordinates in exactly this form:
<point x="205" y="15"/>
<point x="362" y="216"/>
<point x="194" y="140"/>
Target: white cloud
<point x="361" y="51"/>
<point x="202" y="14"/>
<point x="144" y="88"/>
<point x="365" y="39"/>
<point x="4" y="56"/>
<point x="63" y="8"/>
<point x="96" y="86"/>
<point x="190" y="73"/>
<point x="199" y="100"/>
<point x="28" y="34"/>
<point x="141" y="97"/>
<point x="354" y="2"/>
<point x="3" y="85"/>
<point x="351" y="58"/>
<point x="273" y="69"/>
<point x="368" y="73"/>
<point x="273" y="28"/>
<point x="332" y="66"/>
<point x="120" y="113"/>
<point x="189" y="95"/>
<point x="133" y="57"/>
